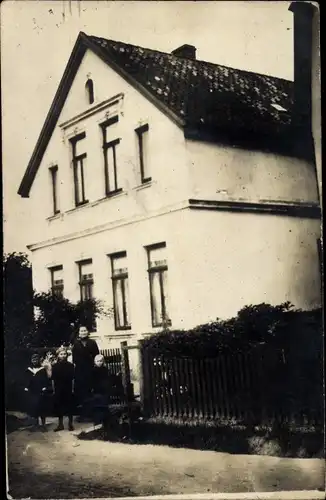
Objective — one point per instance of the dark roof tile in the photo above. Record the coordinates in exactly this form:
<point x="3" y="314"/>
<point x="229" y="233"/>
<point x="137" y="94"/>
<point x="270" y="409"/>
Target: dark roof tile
<point x="202" y="92"/>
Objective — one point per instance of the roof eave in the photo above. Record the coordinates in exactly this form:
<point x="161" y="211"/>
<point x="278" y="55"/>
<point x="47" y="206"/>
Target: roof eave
<point x="53" y="115"/>
<point x="288" y="141"/>
<point x="83" y="42"/>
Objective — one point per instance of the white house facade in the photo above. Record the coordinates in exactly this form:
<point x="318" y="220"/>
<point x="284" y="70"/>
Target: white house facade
<point x="167" y="222"/>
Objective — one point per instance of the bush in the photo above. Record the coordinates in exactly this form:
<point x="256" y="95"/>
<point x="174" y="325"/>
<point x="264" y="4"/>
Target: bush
<point x="58" y="318"/>
<point x="277" y="326"/>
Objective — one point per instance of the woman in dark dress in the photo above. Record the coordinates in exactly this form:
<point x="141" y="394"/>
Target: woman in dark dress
<point x="83" y="353"/>
<point x="63" y="389"/>
<point x="38" y="389"/>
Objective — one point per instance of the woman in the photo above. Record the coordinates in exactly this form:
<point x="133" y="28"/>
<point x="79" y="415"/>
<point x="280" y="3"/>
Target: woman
<point x="83" y="353"/>
<point x="38" y="388"/>
<point x="63" y="389"/>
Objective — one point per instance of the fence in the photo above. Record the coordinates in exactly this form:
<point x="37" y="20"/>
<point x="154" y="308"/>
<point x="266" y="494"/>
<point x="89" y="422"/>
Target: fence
<point x="244" y="387"/>
<point x="113" y="360"/>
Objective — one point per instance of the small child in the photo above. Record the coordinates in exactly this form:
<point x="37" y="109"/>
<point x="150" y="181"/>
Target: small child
<point x="98" y="404"/>
<point x="38" y="388"/>
<point x="63" y="388"/>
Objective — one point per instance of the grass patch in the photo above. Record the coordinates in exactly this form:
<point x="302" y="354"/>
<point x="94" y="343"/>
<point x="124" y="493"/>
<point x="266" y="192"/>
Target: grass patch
<point x="232" y="438"/>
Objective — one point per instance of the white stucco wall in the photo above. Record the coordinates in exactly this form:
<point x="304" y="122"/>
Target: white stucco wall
<point x="218" y="262"/>
<point x="166" y="158"/>
<point x="230" y="260"/>
<point x="229" y="173"/>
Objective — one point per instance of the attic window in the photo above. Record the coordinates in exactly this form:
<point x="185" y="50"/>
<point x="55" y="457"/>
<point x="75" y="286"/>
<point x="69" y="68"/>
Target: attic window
<point x="89" y="86"/>
<point x="278" y="107"/>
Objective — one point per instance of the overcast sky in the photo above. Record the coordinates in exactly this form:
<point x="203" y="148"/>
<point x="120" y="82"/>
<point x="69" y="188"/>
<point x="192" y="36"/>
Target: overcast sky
<point x="38" y="36"/>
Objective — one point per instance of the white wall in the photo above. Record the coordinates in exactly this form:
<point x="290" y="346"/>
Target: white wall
<point x="229" y="260"/>
<point x="228" y="173"/>
<point x="166" y="158"/>
<point x="217" y="263"/>
<point x="132" y="239"/>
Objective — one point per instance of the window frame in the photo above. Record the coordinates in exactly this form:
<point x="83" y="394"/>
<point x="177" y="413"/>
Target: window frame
<point x="89" y="86"/>
<point x="86" y="282"/>
<point x="115" y="279"/>
<point x="165" y="320"/>
<point x="78" y="160"/>
<point x="54" y="180"/>
<point x="140" y="131"/>
<point x="56" y="288"/>
<point x="106" y="146"/>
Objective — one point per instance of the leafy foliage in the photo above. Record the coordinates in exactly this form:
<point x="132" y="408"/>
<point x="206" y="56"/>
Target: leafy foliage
<point x="18" y="299"/>
<point x="57" y="319"/>
<point x="253" y="325"/>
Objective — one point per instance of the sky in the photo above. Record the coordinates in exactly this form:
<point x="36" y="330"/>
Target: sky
<point x="37" y="38"/>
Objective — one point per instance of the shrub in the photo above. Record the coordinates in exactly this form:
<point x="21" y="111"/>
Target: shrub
<point x="255" y="324"/>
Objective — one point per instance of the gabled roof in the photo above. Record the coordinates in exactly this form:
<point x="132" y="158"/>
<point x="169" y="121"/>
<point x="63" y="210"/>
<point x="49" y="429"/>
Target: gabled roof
<point x="199" y="96"/>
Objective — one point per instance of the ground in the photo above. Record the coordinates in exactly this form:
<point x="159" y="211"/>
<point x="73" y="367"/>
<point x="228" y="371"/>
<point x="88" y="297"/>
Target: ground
<point x="59" y="465"/>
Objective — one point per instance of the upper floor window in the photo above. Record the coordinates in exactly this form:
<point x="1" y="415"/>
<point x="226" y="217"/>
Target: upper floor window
<point x="86" y="281"/>
<point x="54" y="183"/>
<point x="89" y="87"/>
<point x="57" y="284"/>
<point x="157" y="271"/>
<point x="120" y="286"/>
<point x="79" y="163"/>
<point x="142" y="136"/>
<point x="110" y="143"/>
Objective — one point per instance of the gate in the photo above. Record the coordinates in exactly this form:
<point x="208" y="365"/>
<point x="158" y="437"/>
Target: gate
<point x="117" y="361"/>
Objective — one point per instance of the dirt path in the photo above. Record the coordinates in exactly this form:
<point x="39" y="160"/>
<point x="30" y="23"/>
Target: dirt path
<point x="58" y="465"/>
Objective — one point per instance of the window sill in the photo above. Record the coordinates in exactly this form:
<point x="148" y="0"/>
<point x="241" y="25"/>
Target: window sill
<point x="112" y="194"/>
<point x="144" y="185"/>
<point x="123" y="329"/>
<point x="118" y="335"/>
<point x="58" y="215"/>
<point x="162" y="326"/>
<point x="97" y="202"/>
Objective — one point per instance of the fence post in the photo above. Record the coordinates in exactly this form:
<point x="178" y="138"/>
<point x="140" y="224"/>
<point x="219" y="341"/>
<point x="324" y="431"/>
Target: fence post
<point x="128" y="390"/>
<point x="143" y="383"/>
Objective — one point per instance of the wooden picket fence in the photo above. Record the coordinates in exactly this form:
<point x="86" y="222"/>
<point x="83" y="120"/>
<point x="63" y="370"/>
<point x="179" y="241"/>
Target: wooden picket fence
<point x="233" y="386"/>
<point x="113" y="360"/>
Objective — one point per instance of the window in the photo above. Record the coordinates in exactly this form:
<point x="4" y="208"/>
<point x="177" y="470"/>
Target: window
<point x="89" y="86"/>
<point x="57" y="281"/>
<point x="54" y="176"/>
<point x="120" y="291"/>
<point x="78" y="161"/>
<point x="110" y="156"/>
<point x="157" y="270"/>
<point x="86" y="281"/>
<point x="142" y="151"/>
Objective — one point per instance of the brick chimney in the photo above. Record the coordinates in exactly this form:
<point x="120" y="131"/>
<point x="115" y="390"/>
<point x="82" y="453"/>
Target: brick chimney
<point x="187" y="51"/>
<point x="303" y="13"/>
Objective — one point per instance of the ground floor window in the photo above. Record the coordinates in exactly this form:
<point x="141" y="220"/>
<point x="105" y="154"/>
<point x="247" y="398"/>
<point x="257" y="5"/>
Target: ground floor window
<point x="86" y="286"/>
<point x="158" y="285"/>
<point x="120" y="285"/>
<point x="57" y="284"/>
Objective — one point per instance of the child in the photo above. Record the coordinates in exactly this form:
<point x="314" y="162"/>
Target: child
<point x="63" y="388"/>
<point x="98" y="403"/>
<point x="38" y="388"/>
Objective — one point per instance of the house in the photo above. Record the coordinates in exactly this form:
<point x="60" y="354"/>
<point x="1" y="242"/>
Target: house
<point x="174" y="189"/>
